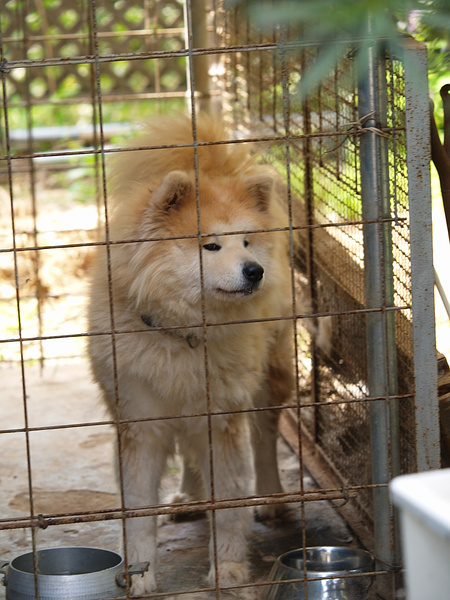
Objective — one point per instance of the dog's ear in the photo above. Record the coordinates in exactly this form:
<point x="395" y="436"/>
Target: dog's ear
<point x="260" y="187"/>
<point x="176" y="186"/>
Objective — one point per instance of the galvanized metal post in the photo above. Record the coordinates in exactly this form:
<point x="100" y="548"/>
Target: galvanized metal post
<point x="380" y="324"/>
<point x="422" y="275"/>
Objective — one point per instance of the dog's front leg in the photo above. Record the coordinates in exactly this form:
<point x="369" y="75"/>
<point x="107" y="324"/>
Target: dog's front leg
<point x="231" y="477"/>
<point x="264" y="440"/>
<point x="143" y="459"/>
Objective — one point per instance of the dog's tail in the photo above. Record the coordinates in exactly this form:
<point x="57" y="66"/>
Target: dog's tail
<point x="320" y="328"/>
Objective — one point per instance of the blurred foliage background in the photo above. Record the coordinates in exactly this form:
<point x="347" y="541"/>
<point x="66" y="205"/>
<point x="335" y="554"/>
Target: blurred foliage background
<point x="333" y="25"/>
<point x="329" y="23"/>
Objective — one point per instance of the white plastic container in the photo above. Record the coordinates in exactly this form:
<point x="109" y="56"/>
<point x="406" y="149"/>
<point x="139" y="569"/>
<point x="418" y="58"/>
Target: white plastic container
<point x="424" y="503"/>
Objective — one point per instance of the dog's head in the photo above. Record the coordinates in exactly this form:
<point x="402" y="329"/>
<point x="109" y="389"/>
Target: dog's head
<point x="211" y="243"/>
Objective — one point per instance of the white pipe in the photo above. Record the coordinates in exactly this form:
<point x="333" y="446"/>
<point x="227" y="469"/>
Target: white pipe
<point x="440" y="288"/>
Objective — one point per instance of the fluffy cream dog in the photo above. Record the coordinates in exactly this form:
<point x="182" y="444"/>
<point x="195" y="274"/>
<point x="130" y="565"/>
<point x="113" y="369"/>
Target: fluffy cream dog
<point x="187" y="313"/>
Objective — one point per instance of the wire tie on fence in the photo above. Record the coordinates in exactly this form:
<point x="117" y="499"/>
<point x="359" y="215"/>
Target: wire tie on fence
<point x="41" y="522"/>
<point x="4" y="66"/>
<point x="358" y="128"/>
<point x="345" y="493"/>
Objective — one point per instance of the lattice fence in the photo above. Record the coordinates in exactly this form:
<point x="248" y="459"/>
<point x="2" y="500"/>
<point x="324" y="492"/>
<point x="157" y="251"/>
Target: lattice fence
<point x="55" y="30"/>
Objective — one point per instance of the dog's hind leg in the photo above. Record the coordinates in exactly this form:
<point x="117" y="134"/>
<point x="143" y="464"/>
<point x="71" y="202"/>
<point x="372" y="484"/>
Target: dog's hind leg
<point x="191" y="488"/>
<point x="230" y="479"/>
<point x="267" y="479"/>
<point x="276" y="390"/>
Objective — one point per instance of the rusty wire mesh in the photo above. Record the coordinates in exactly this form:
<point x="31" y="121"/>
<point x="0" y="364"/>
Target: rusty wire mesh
<point x="313" y="144"/>
<point x="324" y="169"/>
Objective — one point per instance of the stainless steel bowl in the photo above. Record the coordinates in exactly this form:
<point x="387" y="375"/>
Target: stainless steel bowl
<point x="326" y="566"/>
<point x="75" y="572"/>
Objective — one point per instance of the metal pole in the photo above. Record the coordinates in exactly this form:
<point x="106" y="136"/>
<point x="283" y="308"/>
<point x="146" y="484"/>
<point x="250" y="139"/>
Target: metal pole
<point x="422" y="276"/>
<point x="380" y="325"/>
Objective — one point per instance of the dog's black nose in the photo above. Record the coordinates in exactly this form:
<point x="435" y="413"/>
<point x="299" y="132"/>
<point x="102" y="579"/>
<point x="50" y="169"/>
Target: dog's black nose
<point x="253" y="272"/>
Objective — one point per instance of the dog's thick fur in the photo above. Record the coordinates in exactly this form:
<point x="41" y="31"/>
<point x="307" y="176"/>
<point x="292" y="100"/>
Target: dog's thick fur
<point x="162" y="279"/>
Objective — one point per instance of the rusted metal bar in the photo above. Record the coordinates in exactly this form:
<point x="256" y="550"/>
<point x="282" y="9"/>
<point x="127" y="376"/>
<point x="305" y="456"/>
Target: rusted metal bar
<point x="282" y="407"/>
<point x="92" y="151"/>
<point x="29" y="476"/>
<point x="42" y="522"/>
<point x="131" y="56"/>
<point x="113" y="57"/>
<point x="206" y="234"/>
<point x="362" y="311"/>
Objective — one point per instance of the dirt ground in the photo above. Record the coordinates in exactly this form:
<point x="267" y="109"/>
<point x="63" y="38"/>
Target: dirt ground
<point x="72" y="470"/>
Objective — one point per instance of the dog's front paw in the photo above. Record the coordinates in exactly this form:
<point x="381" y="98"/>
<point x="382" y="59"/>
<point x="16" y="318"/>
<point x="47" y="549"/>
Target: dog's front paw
<point x="178" y="497"/>
<point x="185" y="514"/>
<point x="230" y="573"/>
<point x="143" y="584"/>
<point x="266" y="512"/>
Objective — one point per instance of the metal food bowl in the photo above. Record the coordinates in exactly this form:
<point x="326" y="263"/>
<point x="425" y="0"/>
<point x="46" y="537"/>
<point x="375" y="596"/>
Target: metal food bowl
<point x="330" y="562"/>
<point x="76" y="573"/>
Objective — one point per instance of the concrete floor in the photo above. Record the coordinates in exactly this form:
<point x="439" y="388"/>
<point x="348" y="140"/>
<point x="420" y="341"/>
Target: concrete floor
<point x="72" y="470"/>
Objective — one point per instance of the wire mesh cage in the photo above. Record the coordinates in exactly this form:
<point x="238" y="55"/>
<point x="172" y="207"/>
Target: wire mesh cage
<point x="76" y="79"/>
<point x="324" y="171"/>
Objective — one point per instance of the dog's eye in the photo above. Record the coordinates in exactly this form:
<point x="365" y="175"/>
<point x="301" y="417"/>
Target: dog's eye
<point x="212" y="247"/>
<point x="246" y="243"/>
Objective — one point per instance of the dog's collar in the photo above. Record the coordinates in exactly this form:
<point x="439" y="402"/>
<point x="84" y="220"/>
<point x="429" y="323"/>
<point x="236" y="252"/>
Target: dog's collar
<point x="192" y="340"/>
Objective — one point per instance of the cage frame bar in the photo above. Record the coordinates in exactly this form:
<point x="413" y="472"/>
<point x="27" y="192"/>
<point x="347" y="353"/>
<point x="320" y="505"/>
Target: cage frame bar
<point x="427" y="432"/>
<point x="378" y="281"/>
